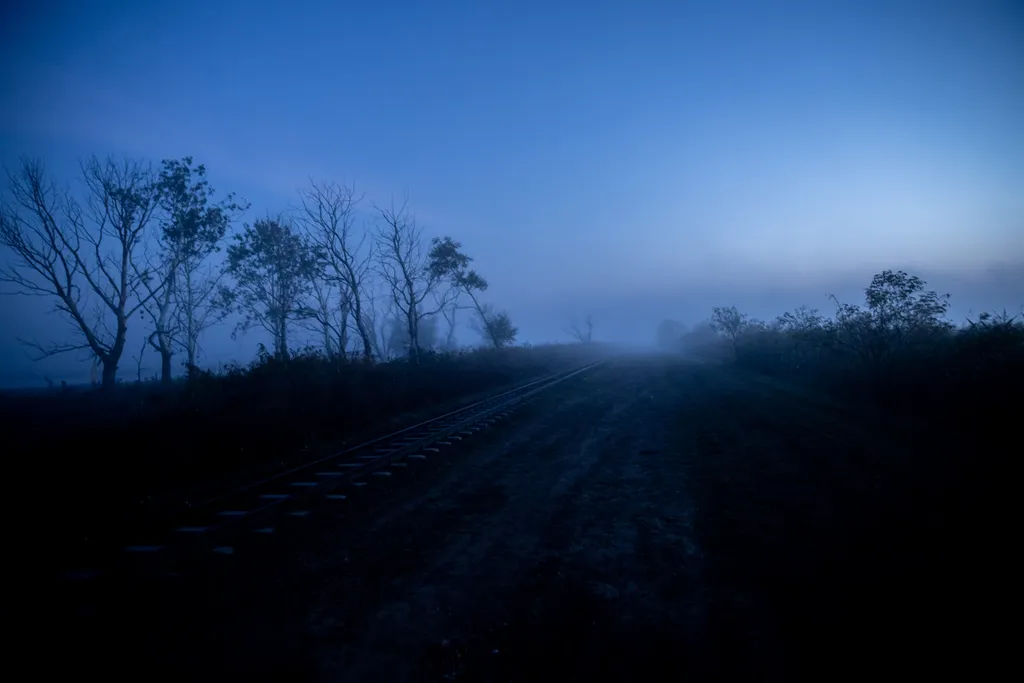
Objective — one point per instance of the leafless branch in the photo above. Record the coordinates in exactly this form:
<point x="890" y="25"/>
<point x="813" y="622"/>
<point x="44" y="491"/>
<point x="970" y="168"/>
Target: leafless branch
<point x="328" y="216"/>
<point x="82" y="258"/>
<point x="403" y="266"/>
<point x="583" y="333"/>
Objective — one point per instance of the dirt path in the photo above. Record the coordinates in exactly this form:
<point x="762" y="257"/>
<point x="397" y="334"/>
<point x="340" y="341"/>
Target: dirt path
<point x="524" y="547"/>
<point x="655" y="518"/>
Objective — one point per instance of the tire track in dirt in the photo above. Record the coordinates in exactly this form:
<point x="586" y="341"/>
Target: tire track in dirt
<point x="577" y="550"/>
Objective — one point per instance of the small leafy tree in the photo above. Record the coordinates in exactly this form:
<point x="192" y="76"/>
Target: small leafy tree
<point x="496" y="327"/>
<point x="273" y="269"/>
<point x="728" y="321"/>
<point x="192" y="228"/>
<point x="898" y="312"/>
<point x="449" y="262"/>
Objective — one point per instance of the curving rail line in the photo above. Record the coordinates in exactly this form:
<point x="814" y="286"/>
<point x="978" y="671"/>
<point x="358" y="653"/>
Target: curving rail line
<point x="254" y="506"/>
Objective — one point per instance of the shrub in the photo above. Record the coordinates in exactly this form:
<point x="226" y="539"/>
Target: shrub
<point x="898" y="348"/>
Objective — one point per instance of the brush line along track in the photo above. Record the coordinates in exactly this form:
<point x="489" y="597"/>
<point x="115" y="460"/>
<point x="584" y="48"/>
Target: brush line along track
<point x="204" y="526"/>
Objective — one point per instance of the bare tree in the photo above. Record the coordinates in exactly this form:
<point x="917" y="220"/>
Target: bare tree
<point x="196" y="308"/>
<point x="406" y="272"/>
<point x="138" y="360"/>
<point x="372" y="321"/>
<point x="84" y="257"/>
<point x="159" y="307"/>
<point x="584" y="333"/>
<point x="328" y="214"/>
<point x="330" y="313"/>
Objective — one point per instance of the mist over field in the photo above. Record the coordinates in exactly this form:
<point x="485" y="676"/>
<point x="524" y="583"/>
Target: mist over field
<point x="631" y="165"/>
<point x="511" y="341"/>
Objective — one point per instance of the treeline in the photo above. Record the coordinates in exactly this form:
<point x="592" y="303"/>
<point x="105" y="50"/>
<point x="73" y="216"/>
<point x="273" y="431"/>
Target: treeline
<point x="133" y="247"/>
<point x="897" y="346"/>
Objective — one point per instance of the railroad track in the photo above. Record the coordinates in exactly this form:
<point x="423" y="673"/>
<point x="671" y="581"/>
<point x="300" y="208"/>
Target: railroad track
<point x="218" y="524"/>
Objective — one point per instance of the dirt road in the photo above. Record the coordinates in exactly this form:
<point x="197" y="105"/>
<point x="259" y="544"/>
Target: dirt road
<point x="652" y="519"/>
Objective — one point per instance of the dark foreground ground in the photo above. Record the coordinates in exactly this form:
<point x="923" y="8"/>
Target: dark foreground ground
<point x="651" y="520"/>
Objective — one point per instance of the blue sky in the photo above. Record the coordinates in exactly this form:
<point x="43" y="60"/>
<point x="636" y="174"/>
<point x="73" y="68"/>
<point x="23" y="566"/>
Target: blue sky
<point x="637" y="160"/>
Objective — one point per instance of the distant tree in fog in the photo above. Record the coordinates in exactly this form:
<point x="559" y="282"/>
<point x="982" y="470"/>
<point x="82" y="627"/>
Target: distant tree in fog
<point x="397" y="333"/>
<point x="669" y="333"/>
<point x="583" y="333"/>
<point x="699" y="337"/>
<point x="273" y="268"/>
<point x="395" y="337"/>
<point x="88" y="258"/>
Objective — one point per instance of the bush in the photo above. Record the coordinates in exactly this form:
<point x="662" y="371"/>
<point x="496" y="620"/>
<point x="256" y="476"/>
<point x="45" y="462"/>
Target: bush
<point x="898" y="349"/>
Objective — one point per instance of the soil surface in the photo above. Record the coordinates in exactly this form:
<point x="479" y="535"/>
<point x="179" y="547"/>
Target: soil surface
<point x="652" y="519"/>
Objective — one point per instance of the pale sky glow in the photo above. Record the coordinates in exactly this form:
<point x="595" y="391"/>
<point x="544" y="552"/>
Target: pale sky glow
<point x="583" y="152"/>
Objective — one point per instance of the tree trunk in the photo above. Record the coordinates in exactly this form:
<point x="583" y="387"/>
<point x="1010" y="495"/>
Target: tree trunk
<point x="412" y="315"/>
<point x="112" y="357"/>
<point x="414" y="342"/>
<point x="449" y="341"/>
<point x="328" y="341"/>
<point x="165" y="366"/>
<point x="361" y="328"/>
<point x="343" y="331"/>
<point x="282" y="331"/>
<point x="163" y="335"/>
<point x="191" y="333"/>
<point x="163" y="347"/>
<point x="190" y="352"/>
<point x="109" y="373"/>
